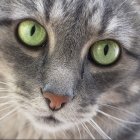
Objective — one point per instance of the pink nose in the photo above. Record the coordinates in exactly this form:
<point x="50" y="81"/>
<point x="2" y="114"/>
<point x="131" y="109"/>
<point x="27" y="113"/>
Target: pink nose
<point x="56" y="102"/>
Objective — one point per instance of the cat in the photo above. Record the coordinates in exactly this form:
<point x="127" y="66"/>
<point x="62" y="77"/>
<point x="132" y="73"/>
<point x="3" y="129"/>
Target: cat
<point x="70" y="69"/>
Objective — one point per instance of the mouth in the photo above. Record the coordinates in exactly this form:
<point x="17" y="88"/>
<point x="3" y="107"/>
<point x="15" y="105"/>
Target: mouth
<point x="49" y="120"/>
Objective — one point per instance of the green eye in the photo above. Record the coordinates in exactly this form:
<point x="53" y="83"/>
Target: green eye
<point x="31" y="33"/>
<point x="105" y="52"/>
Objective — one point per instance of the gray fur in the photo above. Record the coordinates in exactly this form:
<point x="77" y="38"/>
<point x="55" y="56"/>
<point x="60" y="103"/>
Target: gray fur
<point x="61" y="66"/>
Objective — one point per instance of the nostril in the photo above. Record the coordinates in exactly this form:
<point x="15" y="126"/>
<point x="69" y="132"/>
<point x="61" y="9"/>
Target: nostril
<point x="63" y="104"/>
<point x="54" y="101"/>
<point x="41" y="91"/>
<point x="48" y="101"/>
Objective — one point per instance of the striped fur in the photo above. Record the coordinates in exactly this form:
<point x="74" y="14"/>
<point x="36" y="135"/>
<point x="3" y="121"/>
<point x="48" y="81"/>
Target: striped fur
<point x="72" y="27"/>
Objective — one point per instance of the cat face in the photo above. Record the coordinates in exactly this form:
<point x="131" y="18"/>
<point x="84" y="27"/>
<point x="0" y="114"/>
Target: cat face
<point x="63" y="61"/>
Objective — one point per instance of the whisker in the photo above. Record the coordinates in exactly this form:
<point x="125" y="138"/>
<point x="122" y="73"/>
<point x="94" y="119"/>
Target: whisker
<point x="5" y="108"/>
<point x="64" y="132"/>
<point x="87" y="130"/>
<point x="16" y="98"/>
<point x="101" y="132"/>
<point x="118" y="122"/>
<point x="4" y="90"/>
<point x="76" y="123"/>
<point x="124" y="121"/>
<point x="121" y="110"/>
<point x="67" y="119"/>
<point x="54" y="135"/>
<point x="3" y="83"/>
<point x="83" y="125"/>
<point x="8" y="114"/>
<point x="6" y="83"/>
<point x="7" y="92"/>
<point x="9" y="84"/>
<point x="94" y="127"/>
<point x="78" y="130"/>
<point x="7" y="103"/>
<point x="5" y="97"/>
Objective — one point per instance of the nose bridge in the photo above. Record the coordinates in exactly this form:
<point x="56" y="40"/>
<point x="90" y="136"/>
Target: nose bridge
<point x="60" y="80"/>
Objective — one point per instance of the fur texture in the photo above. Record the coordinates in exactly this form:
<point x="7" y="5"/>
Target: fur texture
<point x="107" y="96"/>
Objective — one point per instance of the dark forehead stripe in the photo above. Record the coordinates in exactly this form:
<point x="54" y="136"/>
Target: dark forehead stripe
<point x="48" y="4"/>
<point x="112" y="9"/>
<point x="73" y="8"/>
<point x="107" y="16"/>
<point x="92" y="12"/>
<point x="66" y="4"/>
<point x="79" y="9"/>
<point x="29" y="4"/>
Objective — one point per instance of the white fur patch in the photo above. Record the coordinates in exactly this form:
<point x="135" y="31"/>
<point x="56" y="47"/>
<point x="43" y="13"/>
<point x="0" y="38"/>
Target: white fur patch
<point x="96" y="18"/>
<point x="135" y="88"/>
<point x="57" y="10"/>
<point x="113" y="24"/>
<point x="40" y="7"/>
<point x="19" y="11"/>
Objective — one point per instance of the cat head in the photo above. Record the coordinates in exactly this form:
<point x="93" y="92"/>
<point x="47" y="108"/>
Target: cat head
<point x="62" y="60"/>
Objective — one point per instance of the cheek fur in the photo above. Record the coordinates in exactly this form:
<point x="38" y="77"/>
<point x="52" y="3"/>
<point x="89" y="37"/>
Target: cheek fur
<point x="7" y="74"/>
<point x="70" y="26"/>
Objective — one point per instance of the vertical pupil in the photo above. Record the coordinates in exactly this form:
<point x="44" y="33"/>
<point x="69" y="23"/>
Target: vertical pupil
<point x="33" y="30"/>
<point x="106" y="49"/>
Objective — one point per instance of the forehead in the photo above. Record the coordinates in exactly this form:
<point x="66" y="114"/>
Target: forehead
<point x="58" y="8"/>
<point x="110" y="17"/>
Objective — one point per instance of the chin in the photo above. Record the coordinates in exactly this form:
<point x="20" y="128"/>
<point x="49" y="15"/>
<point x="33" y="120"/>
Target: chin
<point x="49" y="123"/>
